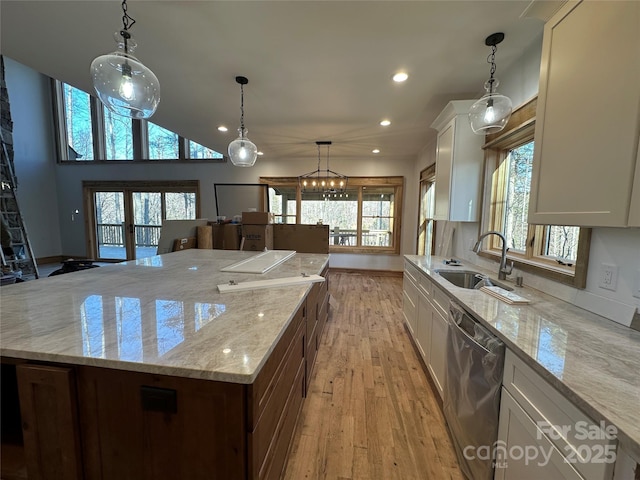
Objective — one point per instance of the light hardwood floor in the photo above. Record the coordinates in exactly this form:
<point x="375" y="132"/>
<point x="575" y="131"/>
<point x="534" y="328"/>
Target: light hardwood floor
<point x="370" y="412"/>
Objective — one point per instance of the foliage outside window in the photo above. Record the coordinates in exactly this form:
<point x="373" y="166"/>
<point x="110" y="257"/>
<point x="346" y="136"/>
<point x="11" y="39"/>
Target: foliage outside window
<point x="365" y="218"/>
<point x="426" y="212"/>
<point x="555" y="251"/>
<point x="86" y="131"/>
<point x="162" y="143"/>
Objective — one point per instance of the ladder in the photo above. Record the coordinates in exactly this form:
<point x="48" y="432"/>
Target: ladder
<point x="22" y="262"/>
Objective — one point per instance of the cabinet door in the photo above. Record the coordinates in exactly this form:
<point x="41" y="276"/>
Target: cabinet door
<point x="518" y="433"/>
<point x="587" y="121"/>
<point x="437" y="350"/>
<point x="50" y="425"/>
<point x="444" y="158"/>
<point x="423" y="327"/>
<point x="634" y="211"/>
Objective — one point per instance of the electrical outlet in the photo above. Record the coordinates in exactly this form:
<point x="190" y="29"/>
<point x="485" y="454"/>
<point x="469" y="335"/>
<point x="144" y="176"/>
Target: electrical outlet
<point x="636" y="287"/>
<point x="608" y="276"/>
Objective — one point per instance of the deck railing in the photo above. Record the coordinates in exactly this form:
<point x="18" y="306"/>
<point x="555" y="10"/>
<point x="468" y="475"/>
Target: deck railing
<point x="112" y="234"/>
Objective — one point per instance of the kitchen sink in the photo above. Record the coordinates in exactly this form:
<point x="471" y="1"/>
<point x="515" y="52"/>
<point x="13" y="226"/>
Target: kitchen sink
<point x="468" y="278"/>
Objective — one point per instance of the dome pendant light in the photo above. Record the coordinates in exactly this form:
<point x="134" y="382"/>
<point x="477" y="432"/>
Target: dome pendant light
<point x="491" y="113"/>
<point x="242" y="151"/>
<point x="123" y="84"/>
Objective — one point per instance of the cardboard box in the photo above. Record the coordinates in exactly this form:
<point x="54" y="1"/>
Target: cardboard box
<point x="301" y="238"/>
<point x="257" y="218"/>
<point x="257" y="237"/>
<point x="226" y="236"/>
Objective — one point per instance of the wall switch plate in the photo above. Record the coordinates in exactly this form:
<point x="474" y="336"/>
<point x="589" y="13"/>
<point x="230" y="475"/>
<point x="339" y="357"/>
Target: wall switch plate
<point x="636" y="285"/>
<point x="608" y="278"/>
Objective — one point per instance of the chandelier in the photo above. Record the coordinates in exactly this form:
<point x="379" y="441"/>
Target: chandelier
<point x="324" y="181"/>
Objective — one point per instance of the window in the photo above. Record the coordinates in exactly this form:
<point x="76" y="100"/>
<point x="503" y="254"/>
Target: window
<point x="555" y="251"/>
<point x="163" y="143"/>
<point x="200" y="152"/>
<point x="362" y="219"/>
<point x="118" y="136"/>
<point x="88" y="131"/>
<point x="426" y="223"/>
<point x="79" y="137"/>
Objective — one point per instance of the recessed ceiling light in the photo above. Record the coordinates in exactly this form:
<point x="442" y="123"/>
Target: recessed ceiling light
<point x="400" y="77"/>
<point x="260" y="153"/>
<point x="222" y="128"/>
<point x="375" y="150"/>
<point x="385" y="123"/>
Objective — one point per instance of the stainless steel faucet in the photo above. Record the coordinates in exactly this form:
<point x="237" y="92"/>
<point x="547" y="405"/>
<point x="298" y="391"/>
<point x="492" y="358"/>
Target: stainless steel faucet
<point x="504" y="271"/>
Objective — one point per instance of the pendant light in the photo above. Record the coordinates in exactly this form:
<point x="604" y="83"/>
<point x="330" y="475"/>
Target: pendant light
<point x="242" y="151"/>
<point x="491" y="113"/>
<point x="123" y="84"/>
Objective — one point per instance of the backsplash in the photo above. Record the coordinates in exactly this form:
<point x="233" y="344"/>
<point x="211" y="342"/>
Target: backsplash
<point x="617" y="246"/>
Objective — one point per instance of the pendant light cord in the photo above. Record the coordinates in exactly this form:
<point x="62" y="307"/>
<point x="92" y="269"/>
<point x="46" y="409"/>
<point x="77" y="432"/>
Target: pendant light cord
<point x="127" y="23"/>
<point x="491" y="59"/>
<point x="242" y="108"/>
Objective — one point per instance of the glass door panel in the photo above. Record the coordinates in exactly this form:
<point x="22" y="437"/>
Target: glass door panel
<point x="110" y="231"/>
<point x="147" y="216"/>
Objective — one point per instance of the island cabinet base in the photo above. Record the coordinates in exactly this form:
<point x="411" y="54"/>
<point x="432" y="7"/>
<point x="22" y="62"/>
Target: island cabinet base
<point x="151" y="427"/>
<point x="93" y="423"/>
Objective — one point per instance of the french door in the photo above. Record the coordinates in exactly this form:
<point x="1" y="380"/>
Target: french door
<point x="125" y="218"/>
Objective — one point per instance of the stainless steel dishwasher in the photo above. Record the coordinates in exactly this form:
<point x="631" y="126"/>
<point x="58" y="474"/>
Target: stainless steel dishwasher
<point x="473" y="377"/>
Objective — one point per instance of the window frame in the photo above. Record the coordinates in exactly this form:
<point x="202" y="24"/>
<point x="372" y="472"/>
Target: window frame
<point x="519" y="131"/>
<point x="356" y="182"/>
<point x="139" y="131"/>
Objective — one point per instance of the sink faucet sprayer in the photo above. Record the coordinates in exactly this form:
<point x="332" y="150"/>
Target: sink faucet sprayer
<point x="504" y="271"/>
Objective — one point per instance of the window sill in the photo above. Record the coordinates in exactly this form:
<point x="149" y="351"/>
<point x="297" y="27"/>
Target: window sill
<point x="559" y="273"/>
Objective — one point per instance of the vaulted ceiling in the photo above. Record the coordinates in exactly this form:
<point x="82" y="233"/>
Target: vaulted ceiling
<point x="317" y="70"/>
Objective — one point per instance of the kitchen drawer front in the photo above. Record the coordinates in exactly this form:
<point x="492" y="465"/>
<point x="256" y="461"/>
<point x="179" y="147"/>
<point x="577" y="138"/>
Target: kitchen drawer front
<point x="266" y="382"/>
<point x="440" y="300"/>
<point x="264" y="436"/>
<point x="543" y="460"/>
<point x="567" y="427"/>
<point x="411" y="272"/>
<point x="425" y="285"/>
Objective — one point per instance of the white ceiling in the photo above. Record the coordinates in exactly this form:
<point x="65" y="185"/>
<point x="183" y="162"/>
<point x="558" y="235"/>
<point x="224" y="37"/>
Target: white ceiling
<point x="317" y="70"/>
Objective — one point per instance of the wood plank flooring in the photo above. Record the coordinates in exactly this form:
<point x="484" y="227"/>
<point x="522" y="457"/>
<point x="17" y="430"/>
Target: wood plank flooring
<point x="370" y="413"/>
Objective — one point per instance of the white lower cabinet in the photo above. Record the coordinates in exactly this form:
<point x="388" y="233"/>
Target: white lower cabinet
<point x="410" y="297"/>
<point x="437" y="349"/>
<point x="423" y="329"/>
<point x="538" y="422"/>
<point x="523" y="451"/>
<point x="426" y="318"/>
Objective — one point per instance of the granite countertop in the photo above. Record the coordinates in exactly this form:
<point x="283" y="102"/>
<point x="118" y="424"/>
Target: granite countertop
<point x="161" y="315"/>
<point x="592" y="361"/>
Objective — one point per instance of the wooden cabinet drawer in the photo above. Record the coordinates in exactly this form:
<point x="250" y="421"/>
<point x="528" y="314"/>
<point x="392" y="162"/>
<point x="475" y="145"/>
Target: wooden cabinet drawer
<point x="411" y="273"/>
<point x="264" y="435"/>
<point x="567" y="427"/>
<point x="425" y="285"/>
<point x="266" y="381"/>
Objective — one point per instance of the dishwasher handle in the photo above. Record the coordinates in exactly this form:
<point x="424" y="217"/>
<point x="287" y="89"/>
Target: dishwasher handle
<point x="480" y="337"/>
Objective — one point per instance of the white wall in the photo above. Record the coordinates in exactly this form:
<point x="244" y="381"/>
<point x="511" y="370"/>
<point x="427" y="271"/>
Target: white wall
<point x="34" y="154"/>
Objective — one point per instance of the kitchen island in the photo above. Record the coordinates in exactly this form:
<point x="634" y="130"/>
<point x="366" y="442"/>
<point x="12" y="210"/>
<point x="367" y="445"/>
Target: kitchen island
<point x="144" y="370"/>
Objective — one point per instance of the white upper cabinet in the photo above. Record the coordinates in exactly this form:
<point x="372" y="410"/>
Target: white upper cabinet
<point x="459" y="158"/>
<point x="588" y="117"/>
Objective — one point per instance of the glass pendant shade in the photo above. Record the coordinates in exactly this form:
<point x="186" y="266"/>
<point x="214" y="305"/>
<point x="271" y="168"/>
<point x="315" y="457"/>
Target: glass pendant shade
<point x="490" y="114"/>
<point x="242" y="151"/>
<point x="123" y="84"/>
